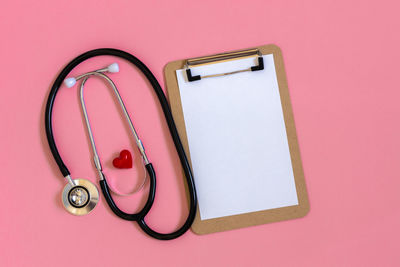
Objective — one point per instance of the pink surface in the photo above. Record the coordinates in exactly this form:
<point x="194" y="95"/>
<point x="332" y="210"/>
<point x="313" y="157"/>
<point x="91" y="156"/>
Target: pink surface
<point x="342" y="62"/>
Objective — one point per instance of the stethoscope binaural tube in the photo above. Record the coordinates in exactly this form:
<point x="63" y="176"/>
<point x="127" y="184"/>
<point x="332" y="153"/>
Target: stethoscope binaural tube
<point x="96" y="158"/>
<point x="140" y="216"/>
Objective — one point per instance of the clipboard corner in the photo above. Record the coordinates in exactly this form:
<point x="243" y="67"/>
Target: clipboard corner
<point x="171" y="66"/>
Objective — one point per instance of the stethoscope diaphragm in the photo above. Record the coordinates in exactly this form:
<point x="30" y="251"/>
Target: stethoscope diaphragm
<point x="81" y="197"/>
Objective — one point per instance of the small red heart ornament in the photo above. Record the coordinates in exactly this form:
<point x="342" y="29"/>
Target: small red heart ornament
<point x="124" y="161"/>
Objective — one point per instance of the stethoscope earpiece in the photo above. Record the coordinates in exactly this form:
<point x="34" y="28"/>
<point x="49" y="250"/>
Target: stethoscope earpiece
<point x="80" y="196"/>
<point x="112" y="68"/>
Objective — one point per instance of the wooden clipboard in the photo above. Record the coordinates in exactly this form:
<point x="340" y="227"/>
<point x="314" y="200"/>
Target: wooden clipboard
<point x="252" y="218"/>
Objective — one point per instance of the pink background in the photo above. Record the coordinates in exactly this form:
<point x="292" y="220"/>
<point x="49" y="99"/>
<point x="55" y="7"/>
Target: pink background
<point x="342" y="62"/>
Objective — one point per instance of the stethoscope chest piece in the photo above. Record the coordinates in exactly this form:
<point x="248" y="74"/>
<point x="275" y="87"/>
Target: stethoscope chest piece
<point x="80" y="196"/>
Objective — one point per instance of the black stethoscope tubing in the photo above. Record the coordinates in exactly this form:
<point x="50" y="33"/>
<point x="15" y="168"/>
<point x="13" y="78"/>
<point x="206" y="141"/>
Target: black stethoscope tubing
<point x="140" y="216"/>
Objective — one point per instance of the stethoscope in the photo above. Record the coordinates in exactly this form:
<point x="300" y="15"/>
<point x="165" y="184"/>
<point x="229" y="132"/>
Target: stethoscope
<point x="80" y="196"/>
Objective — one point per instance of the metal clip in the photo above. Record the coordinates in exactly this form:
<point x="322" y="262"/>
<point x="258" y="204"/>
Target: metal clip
<point x="221" y="58"/>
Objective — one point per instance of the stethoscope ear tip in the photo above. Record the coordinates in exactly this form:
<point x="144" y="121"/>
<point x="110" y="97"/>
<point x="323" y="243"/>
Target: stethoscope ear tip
<point x="69" y="82"/>
<point x="113" y="68"/>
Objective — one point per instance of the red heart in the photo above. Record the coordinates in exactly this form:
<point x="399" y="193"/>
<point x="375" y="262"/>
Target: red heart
<point x="124" y="161"/>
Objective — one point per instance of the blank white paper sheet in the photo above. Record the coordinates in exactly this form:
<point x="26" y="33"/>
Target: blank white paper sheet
<point x="237" y="139"/>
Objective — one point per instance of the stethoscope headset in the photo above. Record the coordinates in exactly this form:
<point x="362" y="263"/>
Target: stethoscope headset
<point x="80" y="196"/>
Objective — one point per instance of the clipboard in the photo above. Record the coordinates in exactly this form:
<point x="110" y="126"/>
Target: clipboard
<point x="192" y="71"/>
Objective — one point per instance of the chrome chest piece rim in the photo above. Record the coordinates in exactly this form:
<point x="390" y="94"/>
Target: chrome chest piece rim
<point x="80" y="198"/>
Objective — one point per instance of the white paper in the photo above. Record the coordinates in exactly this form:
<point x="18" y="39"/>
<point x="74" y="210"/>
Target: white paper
<point x="237" y="139"/>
